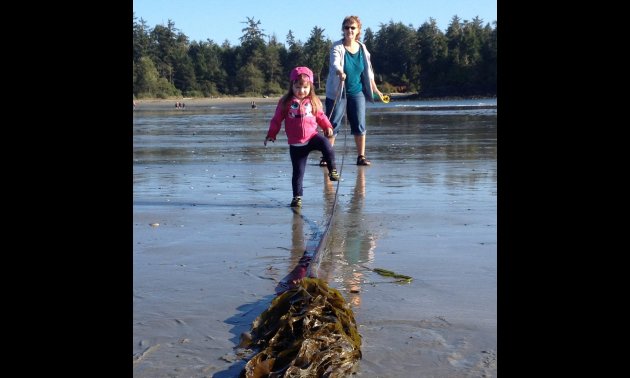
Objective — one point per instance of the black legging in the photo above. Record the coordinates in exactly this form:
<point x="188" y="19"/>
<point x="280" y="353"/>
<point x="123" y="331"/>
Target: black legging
<point x="299" y="156"/>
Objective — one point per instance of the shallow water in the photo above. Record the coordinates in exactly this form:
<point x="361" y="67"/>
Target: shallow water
<point x="226" y="236"/>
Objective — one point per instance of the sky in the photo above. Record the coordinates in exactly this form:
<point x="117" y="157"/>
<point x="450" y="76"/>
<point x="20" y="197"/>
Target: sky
<point x="220" y="20"/>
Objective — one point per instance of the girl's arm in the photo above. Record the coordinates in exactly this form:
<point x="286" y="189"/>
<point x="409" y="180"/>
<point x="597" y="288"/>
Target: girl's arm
<point x="276" y="123"/>
<point x="324" y="123"/>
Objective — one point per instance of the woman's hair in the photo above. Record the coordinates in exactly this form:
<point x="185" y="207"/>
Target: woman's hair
<point x="350" y="20"/>
<point x="316" y="103"/>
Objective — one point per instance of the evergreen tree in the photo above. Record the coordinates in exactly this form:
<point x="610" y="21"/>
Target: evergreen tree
<point x="433" y="50"/>
<point x="489" y="61"/>
<point x="211" y="76"/>
<point x="141" y="39"/>
<point x="316" y="51"/>
<point x="460" y="62"/>
<point x="252" y="41"/>
<point x="250" y="80"/>
<point x="184" y="78"/>
<point x="295" y="56"/>
<point x="149" y="84"/>
<point x="272" y="66"/>
<point x="395" y="55"/>
<point x="163" y="40"/>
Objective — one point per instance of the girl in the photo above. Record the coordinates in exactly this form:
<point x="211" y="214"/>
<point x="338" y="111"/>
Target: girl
<point x="302" y="111"/>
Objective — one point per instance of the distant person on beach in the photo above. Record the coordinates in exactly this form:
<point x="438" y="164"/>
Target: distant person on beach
<point x="302" y="111"/>
<point x="350" y="62"/>
<point x="254" y="106"/>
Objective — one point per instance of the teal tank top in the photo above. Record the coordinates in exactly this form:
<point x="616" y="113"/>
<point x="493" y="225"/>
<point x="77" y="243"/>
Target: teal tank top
<point x="353" y="67"/>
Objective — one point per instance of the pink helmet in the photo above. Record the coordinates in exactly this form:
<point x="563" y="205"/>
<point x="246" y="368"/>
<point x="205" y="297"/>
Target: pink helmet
<point x="297" y="71"/>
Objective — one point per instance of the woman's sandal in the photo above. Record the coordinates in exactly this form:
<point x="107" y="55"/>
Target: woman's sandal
<point x="322" y="162"/>
<point x="362" y="160"/>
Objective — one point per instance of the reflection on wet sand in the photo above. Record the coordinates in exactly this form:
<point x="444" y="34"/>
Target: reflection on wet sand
<point x="297" y="237"/>
<point x="300" y="256"/>
<point x="351" y="242"/>
<point x="303" y="257"/>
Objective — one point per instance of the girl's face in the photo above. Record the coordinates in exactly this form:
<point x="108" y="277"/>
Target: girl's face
<point x="301" y="89"/>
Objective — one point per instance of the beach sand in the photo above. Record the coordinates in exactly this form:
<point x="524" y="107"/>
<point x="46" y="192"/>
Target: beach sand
<point x="213" y="235"/>
<point x="207" y="101"/>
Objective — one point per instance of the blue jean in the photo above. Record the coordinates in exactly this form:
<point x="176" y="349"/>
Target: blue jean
<point x="355" y="112"/>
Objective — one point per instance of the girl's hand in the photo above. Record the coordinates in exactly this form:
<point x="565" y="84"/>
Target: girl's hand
<point x="269" y="139"/>
<point x="328" y="132"/>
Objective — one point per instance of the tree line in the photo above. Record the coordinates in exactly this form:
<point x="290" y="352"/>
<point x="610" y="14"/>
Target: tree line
<point x="460" y="62"/>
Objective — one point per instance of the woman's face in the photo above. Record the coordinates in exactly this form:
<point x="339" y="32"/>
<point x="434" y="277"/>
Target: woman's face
<point x="350" y="30"/>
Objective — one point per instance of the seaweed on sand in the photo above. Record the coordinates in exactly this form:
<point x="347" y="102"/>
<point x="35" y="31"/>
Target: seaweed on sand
<point x="308" y="331"/>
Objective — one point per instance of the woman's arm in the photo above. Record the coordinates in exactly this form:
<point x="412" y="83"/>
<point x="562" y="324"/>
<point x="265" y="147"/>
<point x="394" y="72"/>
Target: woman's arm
<point x="371" y="73"/>
<point x="336" y="60"/>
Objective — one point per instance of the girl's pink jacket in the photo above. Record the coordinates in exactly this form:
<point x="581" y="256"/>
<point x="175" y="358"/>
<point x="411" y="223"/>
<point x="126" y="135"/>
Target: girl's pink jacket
<point x="299" y="122"/>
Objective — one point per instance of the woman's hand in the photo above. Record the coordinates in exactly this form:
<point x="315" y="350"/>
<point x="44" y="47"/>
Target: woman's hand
<point x="328" y="132"/>
<point x="381" y="96"/>
<point x="269" y="139"/>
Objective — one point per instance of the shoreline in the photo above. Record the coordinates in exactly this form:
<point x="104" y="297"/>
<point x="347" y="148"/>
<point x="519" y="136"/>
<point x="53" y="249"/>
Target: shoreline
<point x="275" y="99"/>
<point x="209" y="100"/>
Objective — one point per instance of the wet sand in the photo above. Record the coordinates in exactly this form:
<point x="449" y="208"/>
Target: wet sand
<point x="213" y="235"/>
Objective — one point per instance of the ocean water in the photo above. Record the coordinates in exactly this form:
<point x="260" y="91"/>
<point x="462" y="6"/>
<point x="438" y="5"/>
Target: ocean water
<point x="213" y="235"/>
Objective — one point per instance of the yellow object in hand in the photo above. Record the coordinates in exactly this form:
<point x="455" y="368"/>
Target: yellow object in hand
<point x="385" y="99"/>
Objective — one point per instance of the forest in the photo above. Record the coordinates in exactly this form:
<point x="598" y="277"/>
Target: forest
<point x="459" y="62"/>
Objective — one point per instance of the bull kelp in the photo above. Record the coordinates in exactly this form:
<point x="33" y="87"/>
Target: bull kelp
<point x="307" y="331"/>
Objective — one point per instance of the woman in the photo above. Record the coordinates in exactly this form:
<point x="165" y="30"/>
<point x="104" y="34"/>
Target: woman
<point x="350" y="61"/>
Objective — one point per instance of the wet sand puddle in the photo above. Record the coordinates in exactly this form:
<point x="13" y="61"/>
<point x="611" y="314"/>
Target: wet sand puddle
<point x="226" y="239"/>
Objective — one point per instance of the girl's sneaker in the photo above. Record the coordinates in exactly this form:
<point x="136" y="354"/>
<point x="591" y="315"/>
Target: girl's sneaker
<point x="333" y="175"/>
<point x="296" y="202"/>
